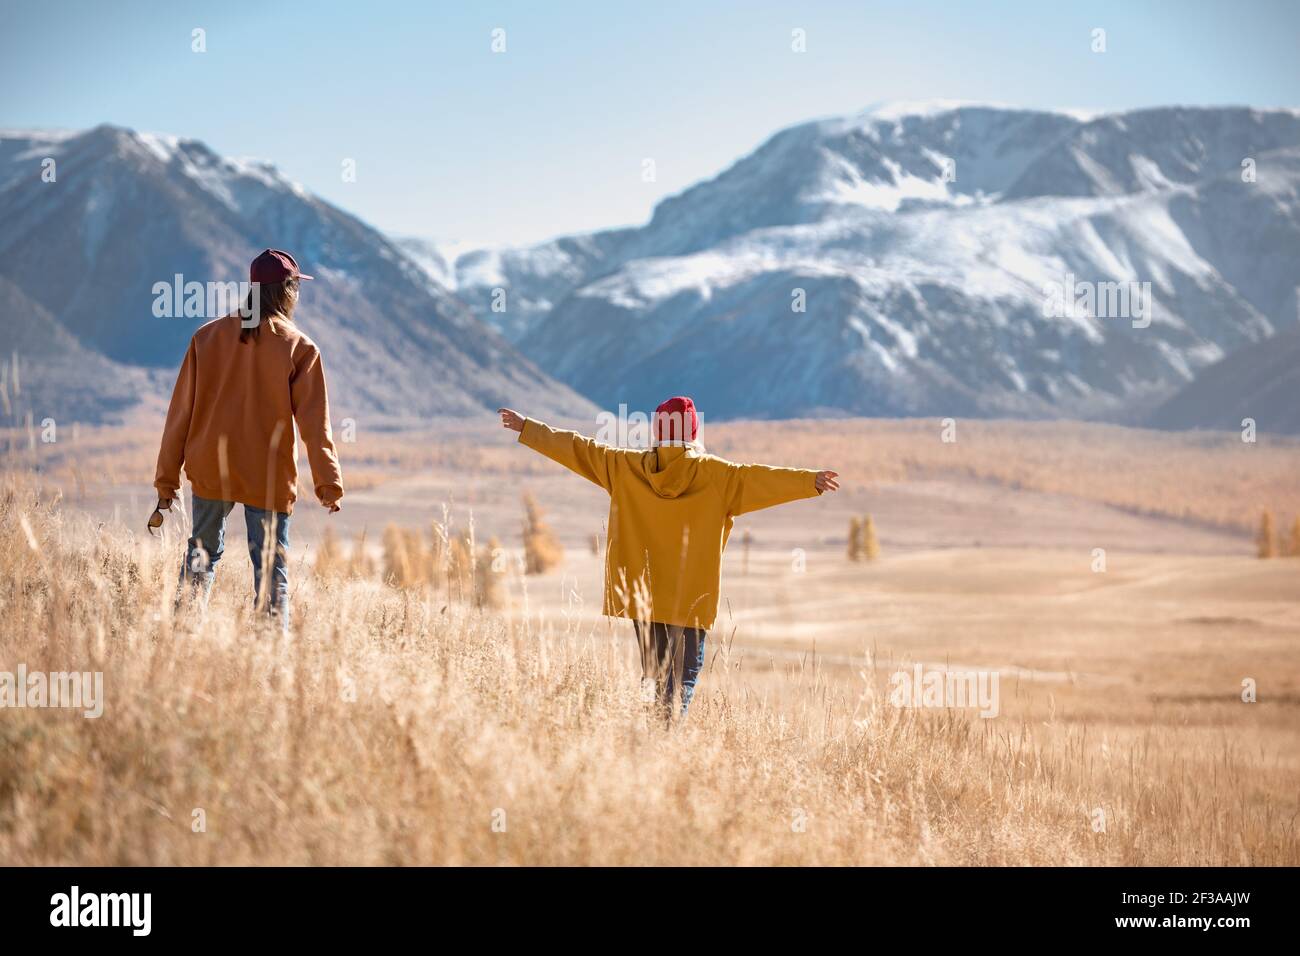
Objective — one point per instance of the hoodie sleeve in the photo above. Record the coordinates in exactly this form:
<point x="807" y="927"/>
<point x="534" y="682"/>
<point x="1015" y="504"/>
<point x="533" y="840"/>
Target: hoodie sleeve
<point x="584" y="456"/>
<point x="176" y="431"/>
<point x="754" y="487"/>
<point x="311" y="410"/>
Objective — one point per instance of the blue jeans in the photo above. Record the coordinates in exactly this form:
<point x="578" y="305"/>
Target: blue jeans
<point x="208" y="544"/>
<point x="659" y="644"/>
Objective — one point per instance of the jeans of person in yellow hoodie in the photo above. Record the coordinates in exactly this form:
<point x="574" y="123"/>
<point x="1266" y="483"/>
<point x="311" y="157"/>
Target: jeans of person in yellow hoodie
<point x="675" y="655"/>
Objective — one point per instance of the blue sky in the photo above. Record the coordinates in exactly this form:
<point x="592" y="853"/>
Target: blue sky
<point x="453" y="141"/>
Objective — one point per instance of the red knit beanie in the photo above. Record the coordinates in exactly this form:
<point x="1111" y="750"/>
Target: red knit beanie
<point x="675" y="420"/>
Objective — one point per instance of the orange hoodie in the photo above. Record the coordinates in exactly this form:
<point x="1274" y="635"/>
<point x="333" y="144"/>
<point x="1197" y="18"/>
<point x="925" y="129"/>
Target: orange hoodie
<point x="232" y="414"/>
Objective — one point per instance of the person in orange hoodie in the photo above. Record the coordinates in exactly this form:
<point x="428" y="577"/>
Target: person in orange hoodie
<point x="671" y="510"/>
<point x="246" y="380"/>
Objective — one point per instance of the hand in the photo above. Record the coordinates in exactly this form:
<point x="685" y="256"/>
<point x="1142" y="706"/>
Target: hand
<point x="156" y="518"/>
<point x="826" y="481"/>
<point x="511" y="419"/>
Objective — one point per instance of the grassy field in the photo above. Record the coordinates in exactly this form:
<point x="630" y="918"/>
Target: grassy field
<point x="408" y="726"/>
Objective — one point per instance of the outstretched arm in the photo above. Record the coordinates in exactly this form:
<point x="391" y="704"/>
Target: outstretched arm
<point x="754" y="487"/>
<point x="582" y="455"/>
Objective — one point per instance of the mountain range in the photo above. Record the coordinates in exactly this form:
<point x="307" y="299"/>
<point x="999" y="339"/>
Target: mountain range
<point x="83" y="250"/>
<point x="922" y="242"/>
<point x="902" y="261"/>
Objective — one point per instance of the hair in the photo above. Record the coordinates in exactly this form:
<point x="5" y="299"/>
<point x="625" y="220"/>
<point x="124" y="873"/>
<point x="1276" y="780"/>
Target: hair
<point x="274" y="300"/>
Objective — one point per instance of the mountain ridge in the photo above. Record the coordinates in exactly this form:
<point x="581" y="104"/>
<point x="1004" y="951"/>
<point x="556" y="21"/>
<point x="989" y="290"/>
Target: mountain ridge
<point x="929" y="290"/>
<point x="128" y="210"/>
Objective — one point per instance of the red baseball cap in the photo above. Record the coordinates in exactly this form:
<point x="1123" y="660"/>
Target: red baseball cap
<point x="675" y="416"/>
<point x="274" y="265"/>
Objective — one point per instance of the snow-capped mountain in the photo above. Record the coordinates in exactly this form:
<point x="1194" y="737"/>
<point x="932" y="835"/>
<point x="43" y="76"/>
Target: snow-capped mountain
<point x="930" y="247"/>
<point x="82" y="248"/>
<point x="535" y="278"/>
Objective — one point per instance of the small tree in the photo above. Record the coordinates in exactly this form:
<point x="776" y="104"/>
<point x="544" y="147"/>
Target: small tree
<point x="359" y="563"/>
<point x="542" y="550"/>
<point x="855" y="539"/>
<point x="408" y="563"/>
<point x="421" y="566"/>
<point x="1266" y="540"/>
<point x="870" y="546"/>
<point x="1293" y="546"/>
<point x="398" y="566"/>
<point x="487" y="580"/>
<point x="436" y="557"/>
<point x="460" y="567"/>
<point x="329" y="556"/>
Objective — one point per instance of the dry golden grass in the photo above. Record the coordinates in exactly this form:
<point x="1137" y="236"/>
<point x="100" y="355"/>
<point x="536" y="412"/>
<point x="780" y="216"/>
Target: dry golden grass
<point x="393" y="727"/>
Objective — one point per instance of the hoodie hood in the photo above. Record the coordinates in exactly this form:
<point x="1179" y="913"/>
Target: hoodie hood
<point x="671" y="469"/>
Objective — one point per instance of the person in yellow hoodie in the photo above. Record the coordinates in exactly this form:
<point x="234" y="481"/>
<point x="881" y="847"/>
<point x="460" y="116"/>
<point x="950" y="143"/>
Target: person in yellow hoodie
<point x="671" y="509"/>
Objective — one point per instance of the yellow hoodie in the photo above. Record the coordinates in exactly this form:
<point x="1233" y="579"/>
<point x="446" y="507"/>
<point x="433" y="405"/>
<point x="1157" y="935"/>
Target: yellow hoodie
<point x="671" y="509"/>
